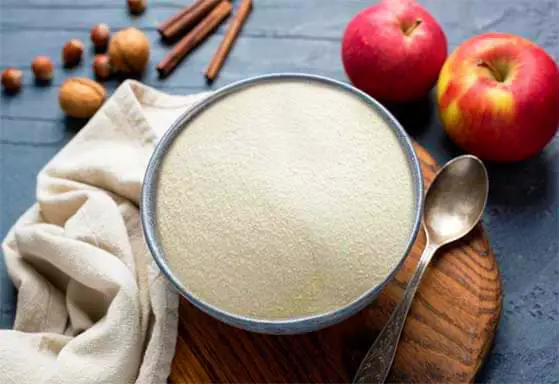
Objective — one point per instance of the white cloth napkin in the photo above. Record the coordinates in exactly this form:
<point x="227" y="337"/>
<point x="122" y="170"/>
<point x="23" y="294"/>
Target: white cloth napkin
<point x="92" y="305"/>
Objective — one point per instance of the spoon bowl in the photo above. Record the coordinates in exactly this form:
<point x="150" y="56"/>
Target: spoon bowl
<point x="455" y="200"/>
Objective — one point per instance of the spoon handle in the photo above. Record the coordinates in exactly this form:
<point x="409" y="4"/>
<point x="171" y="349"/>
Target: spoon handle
<point x="376" y="365"/>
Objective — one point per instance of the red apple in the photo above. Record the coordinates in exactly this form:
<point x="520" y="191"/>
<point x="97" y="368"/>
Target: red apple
<point x="498" y="97"/>
<point x="394" y="50"/>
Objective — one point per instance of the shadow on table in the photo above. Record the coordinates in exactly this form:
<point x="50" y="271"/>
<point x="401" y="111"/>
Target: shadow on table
<point x="524" y="183"/>
<point x="519" y="184"/>
<point x="42" y="83"/>
<point x="6" y="93"/>
<point x="484" y="373"/>
<point x="416" y="117"/>
<point x="73" y="125"/>
<point x="420" y="121"/>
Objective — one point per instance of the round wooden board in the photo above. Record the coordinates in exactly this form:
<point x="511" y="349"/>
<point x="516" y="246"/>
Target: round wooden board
<point x="448" y="333"/>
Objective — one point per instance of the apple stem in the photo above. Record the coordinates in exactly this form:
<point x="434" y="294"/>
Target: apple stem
<point x="496" y="72"/>
<point x="408" y="30"/>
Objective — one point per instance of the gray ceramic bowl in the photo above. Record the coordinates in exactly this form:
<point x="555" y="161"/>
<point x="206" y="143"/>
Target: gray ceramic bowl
<point x="289" y="326"/>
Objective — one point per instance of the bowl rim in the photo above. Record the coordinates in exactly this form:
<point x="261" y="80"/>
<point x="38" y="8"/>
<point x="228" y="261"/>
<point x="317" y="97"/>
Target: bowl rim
<point x="284" y="326"/>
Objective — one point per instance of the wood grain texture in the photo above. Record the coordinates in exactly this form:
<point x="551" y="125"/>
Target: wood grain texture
<point x="450" y="327"/>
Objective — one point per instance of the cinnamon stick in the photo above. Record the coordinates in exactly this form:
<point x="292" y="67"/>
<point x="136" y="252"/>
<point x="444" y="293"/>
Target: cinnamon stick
<point x="194" y="37"/>
<point x="228" y="40"/>
<point x="173" y="19"/>
<point x="189" y="19"/>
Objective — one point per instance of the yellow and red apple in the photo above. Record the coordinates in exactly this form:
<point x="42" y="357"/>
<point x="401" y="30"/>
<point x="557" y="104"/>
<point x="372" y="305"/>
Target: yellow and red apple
<point x="498" y="97"/>
<point x="394" y="50"/>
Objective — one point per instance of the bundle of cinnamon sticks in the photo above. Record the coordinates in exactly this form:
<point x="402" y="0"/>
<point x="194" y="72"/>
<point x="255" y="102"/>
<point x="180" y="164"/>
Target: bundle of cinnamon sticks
<point x="193" y="24"/>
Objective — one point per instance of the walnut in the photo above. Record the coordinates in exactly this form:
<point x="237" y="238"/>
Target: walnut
<point x="129" y="51"/>
<point x="81" y="97"/>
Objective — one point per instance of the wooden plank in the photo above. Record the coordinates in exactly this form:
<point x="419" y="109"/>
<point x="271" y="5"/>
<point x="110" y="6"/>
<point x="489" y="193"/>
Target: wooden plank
<point x="36" y="103"/>
<point x="290" y="4"/>
<point x="34" y="133"/>
<point x="25" y="148"/>
<point x="259" y="51"/>
<point x="251" y="57"/>
<point x="277" y="17"/>
<point x="309" y="19"/>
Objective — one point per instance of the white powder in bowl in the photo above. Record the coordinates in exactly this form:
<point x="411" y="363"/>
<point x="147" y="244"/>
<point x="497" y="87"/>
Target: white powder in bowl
<point x="283" y="200"/>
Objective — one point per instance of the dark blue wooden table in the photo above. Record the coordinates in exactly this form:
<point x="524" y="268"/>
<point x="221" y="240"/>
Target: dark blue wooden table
<point x="304" y="36"/>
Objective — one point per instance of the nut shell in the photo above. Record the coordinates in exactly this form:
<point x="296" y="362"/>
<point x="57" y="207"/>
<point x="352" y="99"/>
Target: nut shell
<point x="42" y="68"/>
<point x="136" y="6"/>
<point x="81" y="97"/>
<point x="11" y="79"/>
<point x="102" y="66"/>
<point x="72" y="52"/>
<point x="100" y="35"/>
<point x="129" y="51"/>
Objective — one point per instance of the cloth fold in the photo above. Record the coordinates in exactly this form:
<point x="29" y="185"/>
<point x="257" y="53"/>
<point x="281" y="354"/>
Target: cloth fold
<point x="92" y="305"/>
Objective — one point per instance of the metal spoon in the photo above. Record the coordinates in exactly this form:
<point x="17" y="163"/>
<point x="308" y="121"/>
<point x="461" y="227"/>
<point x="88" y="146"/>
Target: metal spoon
<point x="453" y="206"/>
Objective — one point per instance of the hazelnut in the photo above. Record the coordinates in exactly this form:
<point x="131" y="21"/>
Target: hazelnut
<point x="102" y="66"/>
<point x="100" y="35"/>
<point x="42" y="68"/>
<point x="129" y="51"/>
<point x="72" y="52"/>
<point x="136" y="6"/>
<point x="11" y="79"/>
<point x="81" y="97"/>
